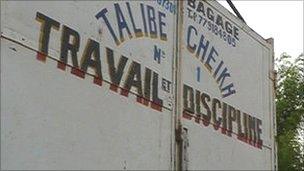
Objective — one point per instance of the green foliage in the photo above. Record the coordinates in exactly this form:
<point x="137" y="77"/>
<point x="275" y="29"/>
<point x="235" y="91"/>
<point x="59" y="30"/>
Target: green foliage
<point x="288" y="152"/>
<point x="290" y="112"/>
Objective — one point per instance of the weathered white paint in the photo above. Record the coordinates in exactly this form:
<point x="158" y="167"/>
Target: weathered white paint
<point x="249" y="64"/>
<point x="58" y="121"/>
<point x="51" y="119"/>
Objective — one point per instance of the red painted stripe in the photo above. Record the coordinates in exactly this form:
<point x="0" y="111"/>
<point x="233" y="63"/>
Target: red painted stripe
<point x="142" y="100"/>
<point x="124" y="92"/>
<point x="139" y="99"/>
<point x="187" y="115"/>
<point x="61" y="65"/>
<point x="206" y="123"/>
<point x="146" y="102"/>
<point x="97" y="81"/>
<point x="216" y="127"/>
<point x="156" y="106"/>
<point x="223" y="130"/>
<point x="241" y="138"/>
<point x="197" y="120"/>
<point x="113" y="87"/>
<point x="41" y="57"/>
<point x="78" y="72"/>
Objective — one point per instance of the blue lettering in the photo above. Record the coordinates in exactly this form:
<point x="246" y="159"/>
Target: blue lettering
<point x="157" y="54"/>
<point x="144" y="19"/>
<point x="218" y="68"/>
<point x="189" y="47"/>
<point x="198" y="74"/>
<point x="159" y="2"/>
<point x="121" y="21"/>
<point x="163" y="36"/>
<point x="138" y="32"/>
<point x="210" y="57"/>
<point x="229" y="89"/>
<point x="152" y="23"/>
<point x="222" y="77"/>
<point x="202" y="46"/>
<point x="102" y="14"/>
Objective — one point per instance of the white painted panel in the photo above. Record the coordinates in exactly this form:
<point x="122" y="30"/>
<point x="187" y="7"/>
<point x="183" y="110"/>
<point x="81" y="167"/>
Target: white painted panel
<point x="247" y="60"/>
<point x="209" y="150"/>
<point x="51" y="119"/>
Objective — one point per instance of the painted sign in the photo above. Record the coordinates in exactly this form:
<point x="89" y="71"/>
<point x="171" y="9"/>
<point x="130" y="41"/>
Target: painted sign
<point x="118" y="27"/>
<point x="132" y="85"/>
<point x="101" y="84"/>
<point x="225" y="95"/>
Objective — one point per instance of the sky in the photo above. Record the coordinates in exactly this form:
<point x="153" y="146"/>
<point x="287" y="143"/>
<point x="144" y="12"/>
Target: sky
<point x="281" y="20"/>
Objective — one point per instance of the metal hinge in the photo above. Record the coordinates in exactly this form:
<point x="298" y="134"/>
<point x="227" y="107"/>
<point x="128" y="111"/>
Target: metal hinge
<point x="273" y="77"/>
<point x="183" y="142"/>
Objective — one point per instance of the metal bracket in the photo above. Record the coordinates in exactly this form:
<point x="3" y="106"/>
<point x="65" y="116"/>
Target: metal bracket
<point x="235" y="10"/>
